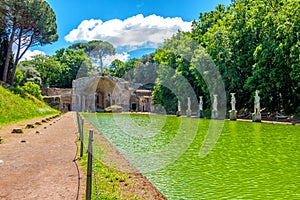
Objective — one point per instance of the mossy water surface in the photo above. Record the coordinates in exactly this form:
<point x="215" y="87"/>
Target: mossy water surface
<point x="249" y="160"/>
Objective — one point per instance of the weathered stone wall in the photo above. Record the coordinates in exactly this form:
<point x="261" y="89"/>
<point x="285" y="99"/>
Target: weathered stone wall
<point x="58" y="98"/>
<point x="56" y="91"/>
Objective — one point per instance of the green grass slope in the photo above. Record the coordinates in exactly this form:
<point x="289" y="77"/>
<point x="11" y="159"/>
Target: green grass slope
<point x="16" y="106"/>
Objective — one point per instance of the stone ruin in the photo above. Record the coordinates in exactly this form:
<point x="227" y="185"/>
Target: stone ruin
<point x="95" y="93"/>
<point x="58" y="98"/>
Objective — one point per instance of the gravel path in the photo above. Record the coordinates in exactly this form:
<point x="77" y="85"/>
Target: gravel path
<point x="39" y="163"/>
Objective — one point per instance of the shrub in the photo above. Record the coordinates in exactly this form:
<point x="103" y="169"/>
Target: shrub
<point x="33" y="89"/>
<point x="18" y="78"/>
<point x="113" y="108"/>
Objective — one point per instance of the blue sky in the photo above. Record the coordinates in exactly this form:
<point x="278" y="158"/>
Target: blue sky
<point x="130" y="25"/>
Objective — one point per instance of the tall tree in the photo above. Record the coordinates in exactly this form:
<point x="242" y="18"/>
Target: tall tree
<point x="3" y="49"/>
<point x="96" y="51"/>
<point x="4" y="42"/>
<point x="29" y="23"/>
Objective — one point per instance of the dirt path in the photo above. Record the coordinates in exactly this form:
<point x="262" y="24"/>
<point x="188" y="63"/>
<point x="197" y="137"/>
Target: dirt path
<point x="42" y="166"/>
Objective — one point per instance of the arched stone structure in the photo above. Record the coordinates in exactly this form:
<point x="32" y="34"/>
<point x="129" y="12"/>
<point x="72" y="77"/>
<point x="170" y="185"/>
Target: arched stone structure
<point x="95" y="93"/>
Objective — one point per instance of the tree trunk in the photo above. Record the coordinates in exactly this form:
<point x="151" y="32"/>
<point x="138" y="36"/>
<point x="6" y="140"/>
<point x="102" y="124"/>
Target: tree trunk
<point x="18" y="57"/>
<point x="8" y="54"/>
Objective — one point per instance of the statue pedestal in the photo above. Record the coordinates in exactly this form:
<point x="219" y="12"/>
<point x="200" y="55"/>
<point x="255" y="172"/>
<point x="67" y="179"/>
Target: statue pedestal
<point x="178" y="113"/>
<point x="201" y="114"/>
<point x="256" y="117"/>
<point x="214" y="114"/>
<point x="188" y="113"/>
<point x="233" y="115"/>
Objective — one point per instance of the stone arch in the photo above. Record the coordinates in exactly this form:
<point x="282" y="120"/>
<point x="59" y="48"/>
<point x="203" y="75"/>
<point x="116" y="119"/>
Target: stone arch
<point x="98" y="92"/>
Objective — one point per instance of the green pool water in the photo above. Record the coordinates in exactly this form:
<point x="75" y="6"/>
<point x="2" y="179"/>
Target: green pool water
<point x="248" y="161"/>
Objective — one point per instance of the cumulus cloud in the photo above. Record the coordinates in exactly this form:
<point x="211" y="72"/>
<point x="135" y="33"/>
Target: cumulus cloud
<point x="136" y="31"/>
<point x="120" y="56"/>
<point x="30" y="54"/>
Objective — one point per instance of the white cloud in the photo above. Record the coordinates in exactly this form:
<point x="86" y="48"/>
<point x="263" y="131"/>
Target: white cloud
<point x="136" y="31"/>
<point x="29" y="54"/>
<point x="120" y="56"/>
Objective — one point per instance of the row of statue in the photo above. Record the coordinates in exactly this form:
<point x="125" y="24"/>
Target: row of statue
<point x="256" y="116"/>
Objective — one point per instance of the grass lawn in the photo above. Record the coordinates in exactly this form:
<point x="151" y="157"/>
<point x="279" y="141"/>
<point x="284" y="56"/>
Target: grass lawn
<point x="16" y="106"/>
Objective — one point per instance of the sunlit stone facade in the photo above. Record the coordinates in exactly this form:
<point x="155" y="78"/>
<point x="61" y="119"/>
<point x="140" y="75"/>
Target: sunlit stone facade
<point x="95" y="93"/>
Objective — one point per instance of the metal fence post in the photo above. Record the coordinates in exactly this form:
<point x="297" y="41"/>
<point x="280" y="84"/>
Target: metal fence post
<point x="89" y="167"/>
<point x="78" y="121"/>
<point x="81" y="136"/>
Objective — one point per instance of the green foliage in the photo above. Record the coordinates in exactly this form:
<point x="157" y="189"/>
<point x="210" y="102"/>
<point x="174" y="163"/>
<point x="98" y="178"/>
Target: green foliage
<point x="33" y="89"/>
<point x="178" y="73"/>
<point x="58" y="70"/>
<point x="16" y="105"/>
<point x="30" y="74"/>
<point x="255" y="45"/>
<point x="135" y="70"/>
<point x="30" y="22"/>
<point x="18" y="78"/>
<point x="74" y="64"/>
<point x="270" y="26"/>
<point x="118" y="69"/>
<point x="49" y="68"/>
<point x="164" y="99"/>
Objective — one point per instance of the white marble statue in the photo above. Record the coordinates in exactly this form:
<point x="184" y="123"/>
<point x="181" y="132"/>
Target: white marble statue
<point x="233" y="101"/>
<point x="189" y="103"/>
<point x="215" y="104"/>
<point x="256" y="102"/>
<point x="179" y="106"/>
<point x="201" y="103"/>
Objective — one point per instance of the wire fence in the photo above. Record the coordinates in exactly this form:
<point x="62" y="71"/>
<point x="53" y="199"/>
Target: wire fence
<point x="91" y="172"/>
